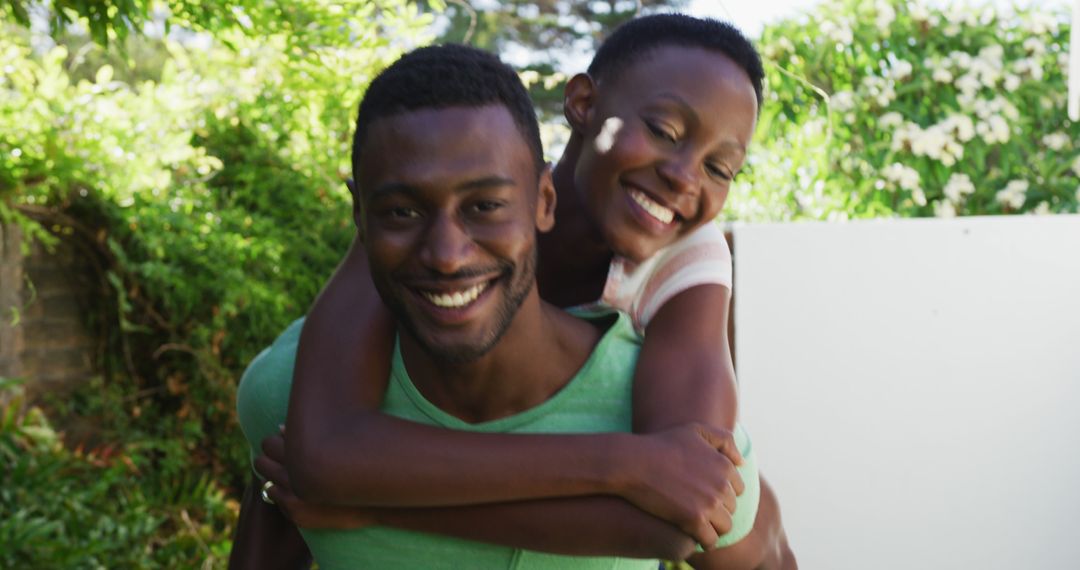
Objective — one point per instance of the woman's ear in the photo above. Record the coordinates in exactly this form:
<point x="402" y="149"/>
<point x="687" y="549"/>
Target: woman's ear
<point x="545" y="201"/>
<point x="579" y="102"/>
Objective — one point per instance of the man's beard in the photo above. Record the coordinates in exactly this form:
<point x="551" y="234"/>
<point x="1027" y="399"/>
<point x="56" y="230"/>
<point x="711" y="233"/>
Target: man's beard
<point x="521" y="281"/>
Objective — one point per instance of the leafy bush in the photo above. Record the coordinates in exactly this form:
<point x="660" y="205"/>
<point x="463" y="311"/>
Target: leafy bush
<point x="895" y="108"/>
<point x="204" y="182"/>
<point x="77" y="509"/>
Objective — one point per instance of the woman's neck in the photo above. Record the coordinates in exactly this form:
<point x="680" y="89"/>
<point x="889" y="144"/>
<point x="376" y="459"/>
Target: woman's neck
<point x="574" y="258"/>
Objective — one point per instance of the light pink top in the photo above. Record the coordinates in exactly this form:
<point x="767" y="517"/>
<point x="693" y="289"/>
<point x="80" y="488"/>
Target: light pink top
<point x="639" y="290"/>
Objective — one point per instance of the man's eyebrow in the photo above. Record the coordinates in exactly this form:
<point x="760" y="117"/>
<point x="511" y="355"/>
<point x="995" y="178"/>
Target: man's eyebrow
<point x="486" y="182"/>
<point x="493" y="181"/>
<point x="389" y="188"/>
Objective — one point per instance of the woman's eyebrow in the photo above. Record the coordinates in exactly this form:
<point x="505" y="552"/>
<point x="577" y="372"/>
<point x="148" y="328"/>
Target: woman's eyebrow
<point x="727" y="147"/>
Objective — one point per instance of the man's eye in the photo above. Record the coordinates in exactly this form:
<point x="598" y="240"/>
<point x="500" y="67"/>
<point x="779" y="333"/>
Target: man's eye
<point x="402" y="213"/>
<point x="661" y="132"/>
<point x="485" y="206"/>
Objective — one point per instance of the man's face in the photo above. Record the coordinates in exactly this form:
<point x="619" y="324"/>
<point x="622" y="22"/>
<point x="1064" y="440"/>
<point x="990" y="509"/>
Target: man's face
<point x="452" y="203"/>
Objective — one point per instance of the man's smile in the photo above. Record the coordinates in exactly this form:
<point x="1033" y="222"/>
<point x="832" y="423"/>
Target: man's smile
<point x="454" y="299"/>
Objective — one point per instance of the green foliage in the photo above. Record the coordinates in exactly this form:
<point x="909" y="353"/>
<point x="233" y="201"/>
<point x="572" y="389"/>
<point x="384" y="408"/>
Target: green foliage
<point x="203" y="180"/>
<point x="79" y="509"/>
<point x="930" y="111"/>
<point x="545" y="40"/>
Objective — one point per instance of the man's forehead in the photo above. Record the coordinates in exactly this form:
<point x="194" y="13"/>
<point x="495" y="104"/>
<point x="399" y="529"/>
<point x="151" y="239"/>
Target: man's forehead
<point x="427" y="145"/>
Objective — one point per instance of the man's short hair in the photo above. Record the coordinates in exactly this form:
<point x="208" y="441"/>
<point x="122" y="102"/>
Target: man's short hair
<point x="636" y="38"/>
<point x="451" y="75"/>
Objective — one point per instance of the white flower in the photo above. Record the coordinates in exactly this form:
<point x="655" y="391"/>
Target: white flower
<point x="1076" y="165"/>
<point x="1055" y="141"/>
<point x="994" y="130"/>
<point x="1041" y="23"/>
<point x="968" y="84"/>
<point x="906" y="177"/>
<point x="942" y="75"/>
<point x="1012" y="82"/>
<point x="885" y="17"/>
<point x="1042" y="209"/>
<point x="1034" y="46"/>
<point x="951" y="30"/>
<point x="905" y="135"/>
<point x="842" y="101"/>
<point x="957" y="187"/>
<point x="918" y="196"/>
<point x="840" y="34"/>
<point x="900" y="69"/>
<point x="1013" y="195"/>
<point x="880" y="89"/>
<point x="930" y="142"/>
<point x="992" y="53"/>
<point x="529" y="76"/>
<point x="919" y="13"/>
<point x="960" y="59"/>
<point x="891" y="120"/>
<point x="1078" y="193"/>
<point x="944" y="209"/>
<point x="962" y="126"/>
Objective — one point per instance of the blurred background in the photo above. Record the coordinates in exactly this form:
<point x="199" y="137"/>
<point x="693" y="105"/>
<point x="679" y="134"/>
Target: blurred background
<point x="172" y="195"/>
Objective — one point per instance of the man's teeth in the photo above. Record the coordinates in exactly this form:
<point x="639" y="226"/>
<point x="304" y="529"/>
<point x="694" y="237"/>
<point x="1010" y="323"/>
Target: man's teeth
<point x="457" y="299"/>
<point x="655" y="210"/>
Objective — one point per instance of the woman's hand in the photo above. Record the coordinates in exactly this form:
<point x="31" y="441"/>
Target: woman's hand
<point x="303" y="514"/>
<point x="686" y="475"/>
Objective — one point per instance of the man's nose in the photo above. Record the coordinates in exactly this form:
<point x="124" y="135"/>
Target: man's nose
<point x="447" y="246"/>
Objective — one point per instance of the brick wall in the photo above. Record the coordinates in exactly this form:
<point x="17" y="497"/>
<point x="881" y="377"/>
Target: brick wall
<point x="50" y="345"/>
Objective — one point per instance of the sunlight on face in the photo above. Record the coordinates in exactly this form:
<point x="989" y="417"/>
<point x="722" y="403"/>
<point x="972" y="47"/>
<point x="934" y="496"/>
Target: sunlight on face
<point x="608" y="131"/>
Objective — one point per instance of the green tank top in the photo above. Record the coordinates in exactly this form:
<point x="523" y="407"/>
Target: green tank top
<point x="597" y="399"/>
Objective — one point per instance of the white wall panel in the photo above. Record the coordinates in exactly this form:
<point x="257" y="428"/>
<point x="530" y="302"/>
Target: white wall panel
<point x="913" y="388"/>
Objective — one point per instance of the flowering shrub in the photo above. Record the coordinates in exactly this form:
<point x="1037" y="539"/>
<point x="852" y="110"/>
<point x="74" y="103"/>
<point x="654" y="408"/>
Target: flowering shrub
<point x="896" y="108"/>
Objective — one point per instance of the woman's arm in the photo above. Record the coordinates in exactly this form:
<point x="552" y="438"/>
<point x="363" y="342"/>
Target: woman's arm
<point x="265" y="539"/>
<point x="684" y="373"/>
<point x="340" y="450"/>
<point x="584" y="526"/>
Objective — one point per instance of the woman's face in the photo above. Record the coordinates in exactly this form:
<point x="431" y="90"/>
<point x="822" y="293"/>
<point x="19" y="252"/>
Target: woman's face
<point x="663" y="139"/>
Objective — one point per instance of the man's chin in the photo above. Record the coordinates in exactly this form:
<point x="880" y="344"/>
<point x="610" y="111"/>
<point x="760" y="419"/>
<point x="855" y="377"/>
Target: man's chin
<point x="456" y="353"/>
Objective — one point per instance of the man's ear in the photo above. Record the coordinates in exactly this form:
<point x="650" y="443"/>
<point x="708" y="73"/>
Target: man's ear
<point x="579" y="102"/>
<point x="545" y="201"/>
<point x="357" y="207"/>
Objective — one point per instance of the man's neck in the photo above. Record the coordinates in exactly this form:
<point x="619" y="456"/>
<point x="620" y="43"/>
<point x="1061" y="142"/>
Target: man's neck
<point x="541" y="351"/>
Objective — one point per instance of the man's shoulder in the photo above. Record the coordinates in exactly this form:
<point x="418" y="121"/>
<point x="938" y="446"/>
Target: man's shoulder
<point x="278" y="357"/>
<point x="263" y="394"/>
<point x="617" y="351"/>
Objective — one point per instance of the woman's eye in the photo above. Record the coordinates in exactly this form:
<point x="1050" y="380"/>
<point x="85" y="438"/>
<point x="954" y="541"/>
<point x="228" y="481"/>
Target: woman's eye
<point x="720" y="172"/>
<point x="661" y="132"/>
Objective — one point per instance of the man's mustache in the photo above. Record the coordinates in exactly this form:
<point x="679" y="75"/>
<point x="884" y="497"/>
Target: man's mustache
<point x="428" y="276"/>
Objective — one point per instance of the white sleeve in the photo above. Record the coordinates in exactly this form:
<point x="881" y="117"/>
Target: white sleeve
<point x="701" y="258"/>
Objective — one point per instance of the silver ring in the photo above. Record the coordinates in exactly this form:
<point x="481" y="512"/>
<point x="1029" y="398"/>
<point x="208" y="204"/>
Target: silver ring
<point x="265" y="492"/>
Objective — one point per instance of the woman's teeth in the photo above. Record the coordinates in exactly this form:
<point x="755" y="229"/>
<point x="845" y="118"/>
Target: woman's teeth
<point x="655" y="210"/>
<point x="457" y="299"/>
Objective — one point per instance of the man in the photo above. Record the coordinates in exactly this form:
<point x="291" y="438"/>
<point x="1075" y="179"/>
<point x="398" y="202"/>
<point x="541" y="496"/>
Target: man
<point x="453" y="191"/>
